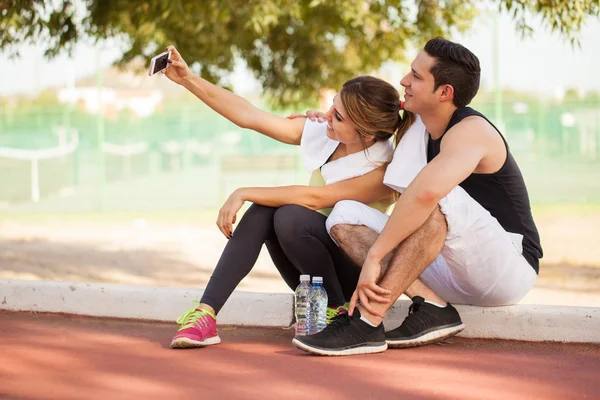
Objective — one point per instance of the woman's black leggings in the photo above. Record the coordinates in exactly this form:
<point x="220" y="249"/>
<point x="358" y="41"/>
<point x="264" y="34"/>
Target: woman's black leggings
<point x="298" y="243"/>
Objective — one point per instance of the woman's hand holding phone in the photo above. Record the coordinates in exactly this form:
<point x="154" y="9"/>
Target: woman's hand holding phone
<point x="177" y="70"/>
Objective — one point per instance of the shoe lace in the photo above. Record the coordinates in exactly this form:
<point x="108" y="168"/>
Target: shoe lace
<point x="413" y="310"/>
<point x="338" y="323"/>
<point x="341" y="328"/>
<point x="193" y="315"/>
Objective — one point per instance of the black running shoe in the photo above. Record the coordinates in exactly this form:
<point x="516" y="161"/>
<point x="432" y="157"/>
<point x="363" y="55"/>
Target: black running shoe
<point x="425" y="324"/>
<point x="346" y="335"/>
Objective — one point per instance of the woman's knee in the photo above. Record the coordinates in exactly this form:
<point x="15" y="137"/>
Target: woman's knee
<point x="256" y="217"/>
<point x="292" y="221"/>
<point x="257" y="211"/>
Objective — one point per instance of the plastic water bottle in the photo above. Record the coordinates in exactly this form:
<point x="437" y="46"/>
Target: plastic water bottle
<point x="301" y="304"/>
<point x="317" y="306"/>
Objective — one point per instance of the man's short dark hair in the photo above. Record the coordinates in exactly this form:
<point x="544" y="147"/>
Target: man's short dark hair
<point x="456" y="66"/>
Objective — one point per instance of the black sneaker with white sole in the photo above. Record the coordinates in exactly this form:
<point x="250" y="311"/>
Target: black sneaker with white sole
<point x="346" y="335"/>
<point x="426" y="323"/>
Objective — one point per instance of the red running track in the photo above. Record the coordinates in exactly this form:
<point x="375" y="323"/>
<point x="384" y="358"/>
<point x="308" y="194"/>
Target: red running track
<point x="45" y="356"/>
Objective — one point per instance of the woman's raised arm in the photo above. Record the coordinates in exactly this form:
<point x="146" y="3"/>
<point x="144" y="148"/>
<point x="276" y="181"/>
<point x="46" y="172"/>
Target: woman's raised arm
<point x="233" y="107"/>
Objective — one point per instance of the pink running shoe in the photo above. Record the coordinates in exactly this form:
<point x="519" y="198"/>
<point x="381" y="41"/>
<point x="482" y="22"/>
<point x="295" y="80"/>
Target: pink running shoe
<point x="198" y="328"/>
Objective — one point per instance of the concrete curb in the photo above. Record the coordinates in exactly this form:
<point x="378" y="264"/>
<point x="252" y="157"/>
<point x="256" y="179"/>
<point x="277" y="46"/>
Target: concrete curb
<point x="520" y="322"/>
<point x="140" y="302"/>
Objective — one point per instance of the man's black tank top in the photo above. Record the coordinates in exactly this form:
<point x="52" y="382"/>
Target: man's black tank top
<point x="502" y="193"/>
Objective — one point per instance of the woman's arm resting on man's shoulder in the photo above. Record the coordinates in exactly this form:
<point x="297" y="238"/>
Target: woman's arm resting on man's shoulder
<point x="233" y="107"/>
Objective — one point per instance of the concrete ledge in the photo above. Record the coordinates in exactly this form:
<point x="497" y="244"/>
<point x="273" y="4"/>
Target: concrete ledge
<point x="520" y="322"/>
<point x="140" y="302"/>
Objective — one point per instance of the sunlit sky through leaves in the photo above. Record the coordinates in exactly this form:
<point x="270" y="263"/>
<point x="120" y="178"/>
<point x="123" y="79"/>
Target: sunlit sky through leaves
<point x="544" y="63"/>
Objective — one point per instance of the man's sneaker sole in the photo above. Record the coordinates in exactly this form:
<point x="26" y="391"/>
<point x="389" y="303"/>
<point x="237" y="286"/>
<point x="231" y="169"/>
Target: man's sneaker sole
<point x="365" y="349"/>
<point x="427" y="338"/>
<point x="187" y="343"/>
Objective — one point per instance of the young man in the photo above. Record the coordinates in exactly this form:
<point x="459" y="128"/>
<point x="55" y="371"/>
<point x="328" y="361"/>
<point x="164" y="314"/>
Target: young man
<point x="469" y="203"/>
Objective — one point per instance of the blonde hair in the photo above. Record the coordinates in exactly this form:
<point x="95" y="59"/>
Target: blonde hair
<point x="373" y="106"/>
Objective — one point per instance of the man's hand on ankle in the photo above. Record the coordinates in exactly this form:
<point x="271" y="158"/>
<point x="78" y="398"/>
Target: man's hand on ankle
<point x="368" y="291"/>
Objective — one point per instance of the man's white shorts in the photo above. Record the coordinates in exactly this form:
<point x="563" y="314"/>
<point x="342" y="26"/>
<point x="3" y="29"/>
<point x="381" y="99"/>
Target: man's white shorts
<point x="480" y="264"/>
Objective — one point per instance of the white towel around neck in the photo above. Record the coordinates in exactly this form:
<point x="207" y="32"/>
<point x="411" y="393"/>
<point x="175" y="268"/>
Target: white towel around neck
<point x="409" y="159"/>
<point x="316" y="148"/>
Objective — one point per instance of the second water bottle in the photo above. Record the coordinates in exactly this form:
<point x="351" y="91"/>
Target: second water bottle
<point x="317" y="307"/>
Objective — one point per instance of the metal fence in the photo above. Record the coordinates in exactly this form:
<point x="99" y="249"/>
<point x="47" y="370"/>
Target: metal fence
<point x="184" y="156"/>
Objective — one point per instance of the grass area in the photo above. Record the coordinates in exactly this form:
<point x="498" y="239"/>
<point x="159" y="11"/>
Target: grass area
<point x="565" y="209"/>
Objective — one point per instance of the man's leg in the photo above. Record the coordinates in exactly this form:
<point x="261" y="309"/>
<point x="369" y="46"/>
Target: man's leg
<point x="431" y="318"/>
<point x="411" y="258"/>
<point x="360" y="333"/>
<point x="356" y="240"/>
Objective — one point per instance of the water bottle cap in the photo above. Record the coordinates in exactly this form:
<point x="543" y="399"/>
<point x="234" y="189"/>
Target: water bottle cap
<point x="317" y="279"/>
<point x="304" y="278"/>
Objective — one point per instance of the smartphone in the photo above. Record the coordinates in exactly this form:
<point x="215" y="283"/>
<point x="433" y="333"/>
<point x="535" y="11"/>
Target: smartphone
<point x="159" y="62"/>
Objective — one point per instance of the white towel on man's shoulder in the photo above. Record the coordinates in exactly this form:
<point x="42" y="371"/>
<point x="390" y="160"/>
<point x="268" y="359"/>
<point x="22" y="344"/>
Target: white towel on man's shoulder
<point x="409" y="158"/>
<point x="316" y="148"/>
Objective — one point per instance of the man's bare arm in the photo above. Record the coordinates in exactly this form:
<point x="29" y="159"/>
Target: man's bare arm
<point x="463" y="148"/>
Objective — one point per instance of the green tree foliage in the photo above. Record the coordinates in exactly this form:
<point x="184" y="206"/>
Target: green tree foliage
<point x="293" y="47"/>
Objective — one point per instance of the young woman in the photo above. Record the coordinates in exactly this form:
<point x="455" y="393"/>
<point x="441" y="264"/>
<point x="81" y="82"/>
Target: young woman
<point x="346" y="155"/>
